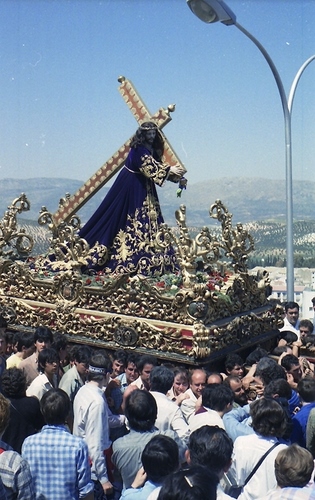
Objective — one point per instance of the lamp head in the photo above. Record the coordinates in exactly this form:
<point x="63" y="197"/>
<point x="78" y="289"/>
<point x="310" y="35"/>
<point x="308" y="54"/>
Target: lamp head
<point x="211" y="11"/>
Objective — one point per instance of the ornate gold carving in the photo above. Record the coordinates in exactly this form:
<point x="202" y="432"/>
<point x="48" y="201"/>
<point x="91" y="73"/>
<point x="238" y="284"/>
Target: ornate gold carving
<point x="195" y="315"/>
<point x="14" y="242"/>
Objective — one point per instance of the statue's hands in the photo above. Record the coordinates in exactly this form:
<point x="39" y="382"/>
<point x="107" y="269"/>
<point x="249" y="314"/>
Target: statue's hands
<point x="178" y="170"/>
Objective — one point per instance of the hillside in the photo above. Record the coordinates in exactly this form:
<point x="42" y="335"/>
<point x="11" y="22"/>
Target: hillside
<point x="249" y="199"/>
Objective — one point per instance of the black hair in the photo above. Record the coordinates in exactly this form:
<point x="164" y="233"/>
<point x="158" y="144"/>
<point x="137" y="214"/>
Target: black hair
<point x="212" y="447"/>
<point x="82" y="354"/>
<point x="288" y="336"/>
<point x="119" y="355"/>
<point x="140" y="134"/>
<point x="141" y="410"/>
<point x="160" y="458"/>
<point x="146" y="359"/>
<point x="48" y="355"/>
<point x="232" y="360"/>
<point x="13" y="383"/>
<point x="279" y="386"/>
<point x="43" y="333"/>
<point x="132" y="358"/>
<point x="256" y="355"/>
<point x="23" y="339"/>
<point x="161" y="379"/>
<point x="270" y="372"/>
<point x="217" y="396"/>
<point x="280" y="349"/>
<point x="306" y="389"/>
<point x="193" y="483"/>
<point x="55" y="406"/>
<point x="291" y="305"/>
<point x="288" y="361"/>
<point x="60" y="341"/>
<point x="307" y="324"/>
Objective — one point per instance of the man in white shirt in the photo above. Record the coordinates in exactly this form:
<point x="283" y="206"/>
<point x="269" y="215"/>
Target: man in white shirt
<point x="197" y="381"/>
<point x="169" y="415"/>
<point x="48" y="364"/>
<point x="217" y="399"/>
<point x="145" y="365"/>
<point x="291" y="319"/>
<point x="91" y="420"/>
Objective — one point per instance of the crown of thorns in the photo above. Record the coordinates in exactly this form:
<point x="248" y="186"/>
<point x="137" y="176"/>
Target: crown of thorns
<point x="148" y="126"/>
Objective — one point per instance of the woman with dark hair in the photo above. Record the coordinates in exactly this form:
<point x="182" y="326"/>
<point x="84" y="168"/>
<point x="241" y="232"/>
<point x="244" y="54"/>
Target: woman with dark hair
<point x="122" y="231"/>
<point x="25" y="414"/>
<point x="257" y="452"/>
<point x="195" y="483"/>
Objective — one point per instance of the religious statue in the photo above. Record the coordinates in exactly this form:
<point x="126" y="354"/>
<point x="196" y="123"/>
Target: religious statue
<point x="123" y="229"/>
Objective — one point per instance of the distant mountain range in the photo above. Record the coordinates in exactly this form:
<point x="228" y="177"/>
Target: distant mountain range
<point x="249" y="199"/>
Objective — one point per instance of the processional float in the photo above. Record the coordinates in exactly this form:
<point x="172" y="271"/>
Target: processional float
<point x="212" y="306"/>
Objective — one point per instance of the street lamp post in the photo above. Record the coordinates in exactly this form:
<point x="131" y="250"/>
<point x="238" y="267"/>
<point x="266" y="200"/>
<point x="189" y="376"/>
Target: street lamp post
<point x="211" y="11"/>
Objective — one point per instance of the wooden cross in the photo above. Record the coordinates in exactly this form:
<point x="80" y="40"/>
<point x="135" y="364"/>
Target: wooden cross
<point x="72" y="204"/>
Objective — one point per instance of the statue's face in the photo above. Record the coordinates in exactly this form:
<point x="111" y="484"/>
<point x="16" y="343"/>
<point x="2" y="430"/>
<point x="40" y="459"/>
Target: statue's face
<point x="149" y="136"/>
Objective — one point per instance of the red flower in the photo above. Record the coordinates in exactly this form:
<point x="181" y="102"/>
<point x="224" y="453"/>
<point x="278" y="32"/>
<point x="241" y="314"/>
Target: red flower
<point x="88" y="281"/>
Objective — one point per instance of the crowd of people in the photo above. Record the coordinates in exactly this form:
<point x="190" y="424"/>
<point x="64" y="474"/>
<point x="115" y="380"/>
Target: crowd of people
<point x="83" y="423"/>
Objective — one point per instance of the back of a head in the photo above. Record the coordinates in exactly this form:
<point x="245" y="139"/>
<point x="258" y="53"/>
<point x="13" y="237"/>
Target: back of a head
<point x="141" y="410"/>
<point x="306" y="389"/>
<point x="160" y="458"/>
<point x="23" y="339"/>
<point x="256" y="355"/>
<point x="294" y="466"/>
<point x="194" y="483"/>
<point x="13" y="383"/>
<point x="288" y="336"/>
<point x="268" y="417"/>
<point x="100" y="365"/>
<point x="82" y="354"/>
<point x="55" y="406"/>
<point x="211" y="447"/>
<point x="161" y="379"/>
<point x="217" y="396"/>
<point x="279" y="388"/>
<point x="270" y="371"/>
<point x="60" y="341"/>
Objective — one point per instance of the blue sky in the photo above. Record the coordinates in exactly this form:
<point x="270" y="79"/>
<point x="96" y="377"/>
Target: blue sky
<point x="61" y="114"/>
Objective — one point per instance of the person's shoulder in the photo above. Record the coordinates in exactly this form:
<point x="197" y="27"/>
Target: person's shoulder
<point x="13" y="460"/>
<point x="121" y="443"/>
<point x="28" y="361"/>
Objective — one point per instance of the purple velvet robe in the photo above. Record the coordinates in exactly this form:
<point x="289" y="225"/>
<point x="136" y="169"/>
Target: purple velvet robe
<point x="128" y="219"/>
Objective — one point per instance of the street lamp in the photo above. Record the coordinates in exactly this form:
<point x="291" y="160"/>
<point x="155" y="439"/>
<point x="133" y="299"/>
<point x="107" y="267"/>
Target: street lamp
<point x="211" y="11"/>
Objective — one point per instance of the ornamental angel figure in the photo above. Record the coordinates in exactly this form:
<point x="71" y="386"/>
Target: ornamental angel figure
<point x="122" y="231"/>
